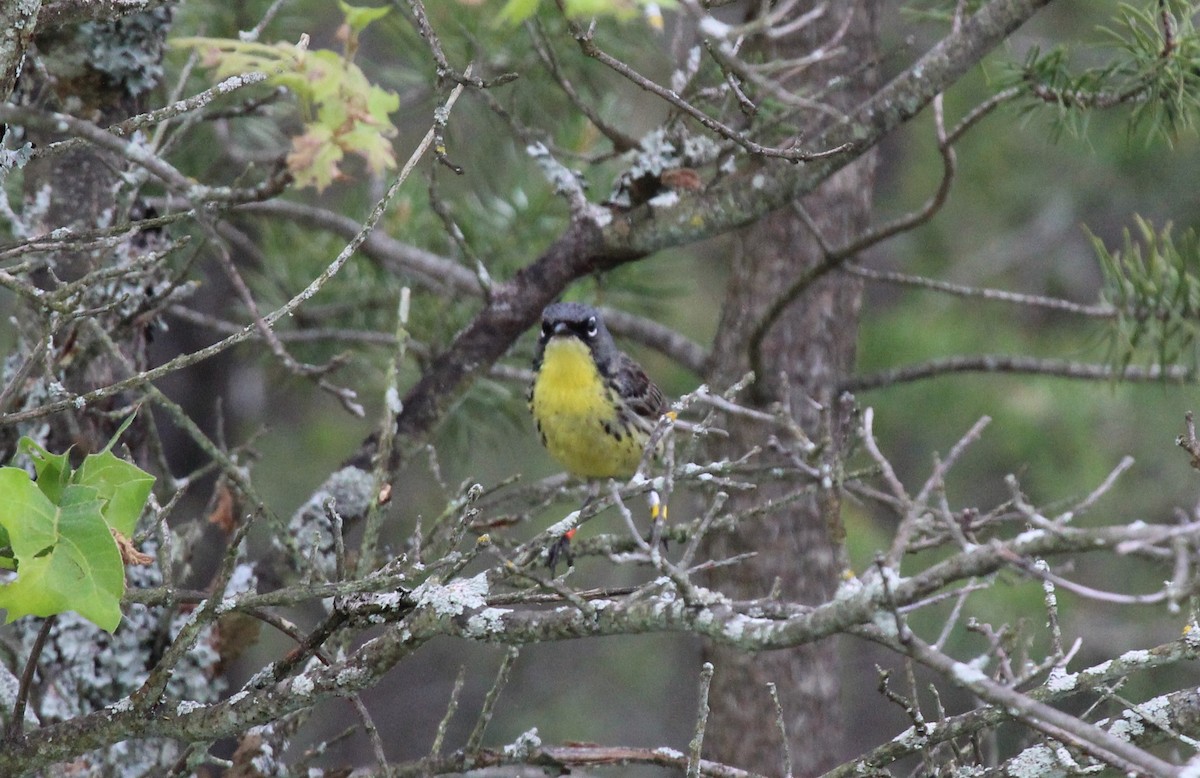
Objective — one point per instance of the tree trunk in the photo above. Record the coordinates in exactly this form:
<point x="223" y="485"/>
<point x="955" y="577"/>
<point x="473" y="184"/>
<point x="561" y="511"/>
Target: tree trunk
<point x="102" y="71"/>
<point x="804" y="355"/>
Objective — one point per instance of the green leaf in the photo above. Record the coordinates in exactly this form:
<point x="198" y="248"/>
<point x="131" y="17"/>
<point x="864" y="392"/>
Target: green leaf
<point x="122" y="485"/>
<point x="372" y="146"/>
<point x="516" y="11"/>
<point x="57" y="533"/>
<point x="313" y="160"/>
<point x="66" y="556"/>
<point x="53" y="470"/>
<point x="380" y="103"/>
<point x="359" y="17"/>
<point x="328" y="77"/>
<point x="597" y="7"/>
<point x="342" y="111"/>
<point x="26" y="514"/>
<point x="121" y="430"/>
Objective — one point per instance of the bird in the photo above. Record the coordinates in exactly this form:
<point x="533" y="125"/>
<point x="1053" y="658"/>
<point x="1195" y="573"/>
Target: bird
<point x="593" y="406"/>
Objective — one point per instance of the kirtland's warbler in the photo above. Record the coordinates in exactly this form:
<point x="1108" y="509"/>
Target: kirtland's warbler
<point x="594" y="407"/>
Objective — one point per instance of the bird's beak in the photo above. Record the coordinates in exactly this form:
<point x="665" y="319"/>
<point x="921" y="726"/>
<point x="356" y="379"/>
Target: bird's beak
<point x="560" y="328"/>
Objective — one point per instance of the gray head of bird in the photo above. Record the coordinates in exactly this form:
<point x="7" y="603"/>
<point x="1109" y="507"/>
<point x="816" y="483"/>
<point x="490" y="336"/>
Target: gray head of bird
<point x="576" y="320"/>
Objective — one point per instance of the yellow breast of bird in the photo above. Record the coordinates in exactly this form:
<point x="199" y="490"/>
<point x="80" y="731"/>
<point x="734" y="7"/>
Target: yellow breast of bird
<point x="576" y="416"/>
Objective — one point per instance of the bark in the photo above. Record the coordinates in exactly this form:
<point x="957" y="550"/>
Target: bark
<point x="805" y="355"/>
<point x="102" y="71"/>
<point x="16" y="30"/>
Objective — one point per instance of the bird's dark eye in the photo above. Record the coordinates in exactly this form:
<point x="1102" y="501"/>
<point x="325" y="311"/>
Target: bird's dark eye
<point x="592" y="328"/>
<point x="547" y="328"/>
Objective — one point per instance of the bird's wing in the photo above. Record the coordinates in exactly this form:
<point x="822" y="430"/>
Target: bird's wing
<point x="635" y="386"/>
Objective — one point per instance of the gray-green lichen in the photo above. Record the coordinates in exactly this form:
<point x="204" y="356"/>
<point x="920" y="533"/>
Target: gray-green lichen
<point x="453" y="598"/>
<point x="129" y="49"/>
<point x="310" y="535"/>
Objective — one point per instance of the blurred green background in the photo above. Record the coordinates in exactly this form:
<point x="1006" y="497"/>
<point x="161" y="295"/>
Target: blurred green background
<point x="1025" y="194"/>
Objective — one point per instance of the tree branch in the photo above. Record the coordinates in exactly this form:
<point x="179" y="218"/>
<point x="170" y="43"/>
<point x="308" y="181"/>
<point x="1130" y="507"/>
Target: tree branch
<point x="1018" y="365"/>
<point x="286" y="309"/>
<point x="1063" y="727"/>
<point x="564" y="759"/>
<point x="469" y="609"/>
<point x="608" y="240"/>
<point x="1095" y="311"/>
<point x="909" y="742"/>
<point x="438" y="272"/>
<point x="740" y="199"/>
<point x="140" y="155"/>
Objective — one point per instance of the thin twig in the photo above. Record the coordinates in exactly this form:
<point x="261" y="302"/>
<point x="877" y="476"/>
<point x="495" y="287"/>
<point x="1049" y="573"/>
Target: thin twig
<point x="444" y="69"/>
<point x="451" y="707"/>
<point x="1084" y="505"/>
<point x="1187" y="441"/>
<point x="955" y="614"/>
<point x="620" y="141"/>
<point x="17" y="725"/>
<point x="387" y="435"/>
<point x="347" y="397"/>
<point x="475" y="740"/>
<point x="1018" y="365"/>
<point x="1052" y="579"/>
<point x="372" y="732"/>
<point x="697" y="742"/>
<point x="943" y="466"/>
<point x="969" y="724"/>
<point x="885" y="466"/>
<point x="781" y="723"/>
<point x="833" y="258"/>
<point x="255" y="31"/>
<point x="1064" y="727"/>
<point x="1050" y="598"/>
<point x="175" y="180"/>
<point x="1098" y="311"/>
<point x="588" y="46"/>
<point x="287" y="309"/>
<point x="160" y="115"/>
<point x="151" y="690"/>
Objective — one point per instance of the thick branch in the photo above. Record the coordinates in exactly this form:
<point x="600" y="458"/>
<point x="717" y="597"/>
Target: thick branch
<point x="1149" y="723"/>
<point x="465" y="609"/>
<point x="741" y="199"/>
<point x="565" y="758"/>
<point x="588" y="246"/>
<point x="439" y="271"/>
<point x="512" y="309"/>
